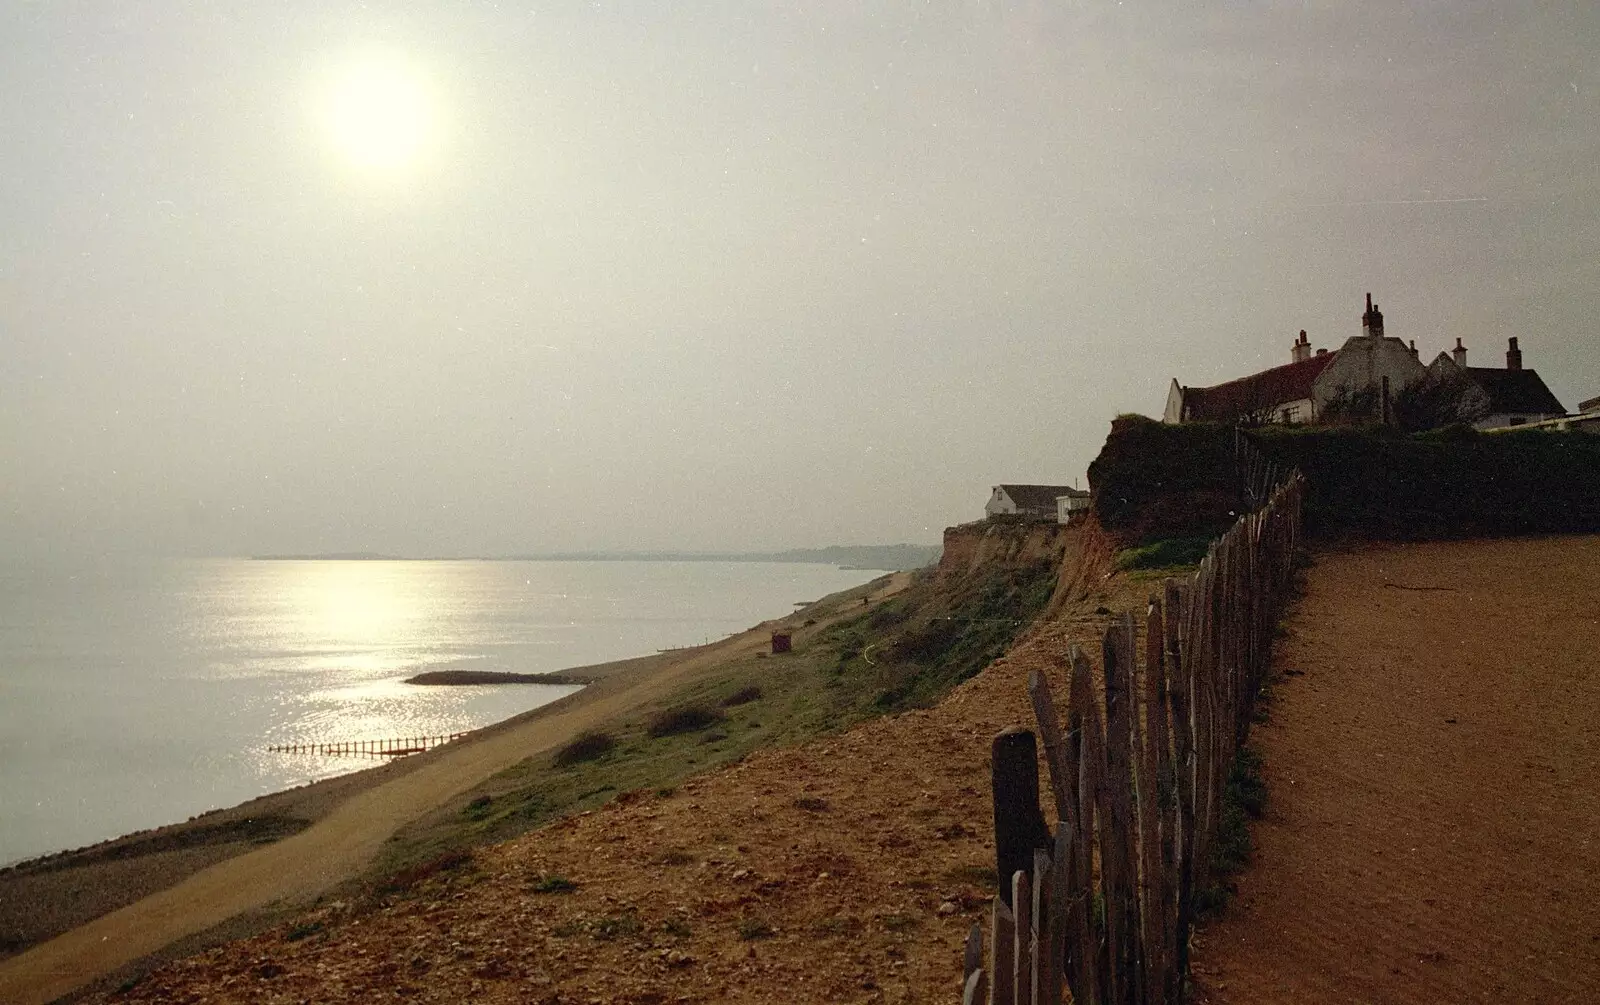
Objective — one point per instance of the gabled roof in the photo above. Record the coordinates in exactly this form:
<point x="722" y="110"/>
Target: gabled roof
<point x="1038" y="496"/>
<point x="1259" y="391"/>
<point x="1515" y="391"/>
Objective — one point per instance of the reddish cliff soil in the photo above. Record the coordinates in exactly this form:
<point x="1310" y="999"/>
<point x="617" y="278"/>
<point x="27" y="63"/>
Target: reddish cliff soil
<point x="1433" y="829"/>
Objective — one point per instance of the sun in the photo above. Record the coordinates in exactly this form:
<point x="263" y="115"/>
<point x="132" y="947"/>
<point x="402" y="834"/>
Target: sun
<point x="379" y="112"/>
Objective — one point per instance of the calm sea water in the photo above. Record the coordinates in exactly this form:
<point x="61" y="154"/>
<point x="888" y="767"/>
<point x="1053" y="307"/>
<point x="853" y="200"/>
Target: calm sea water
<point x="135" y="697"/>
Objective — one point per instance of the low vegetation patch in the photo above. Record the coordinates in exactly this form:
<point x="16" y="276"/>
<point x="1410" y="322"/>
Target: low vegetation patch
<point x="619" y="926"/>
<point x="1244" y="798"/>
<point x="684" y="719"/>
<point x="553" y="884"/>
<point x="416" y="875"/>
<point x="743" y="696"/>
<point x="938" y="649"/>
<point x="840" y="925"/>
<point x="899" y="922"/>
<point x="586" y="746"/>
<point x="1167" y="553"/>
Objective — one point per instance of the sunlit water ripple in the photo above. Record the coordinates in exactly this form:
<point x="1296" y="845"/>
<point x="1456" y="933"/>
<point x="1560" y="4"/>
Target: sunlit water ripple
<point x="134" y="697"/>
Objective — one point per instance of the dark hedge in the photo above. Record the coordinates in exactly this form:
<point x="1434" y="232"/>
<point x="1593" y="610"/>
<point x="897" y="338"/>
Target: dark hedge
<point x="1154" y="481"/>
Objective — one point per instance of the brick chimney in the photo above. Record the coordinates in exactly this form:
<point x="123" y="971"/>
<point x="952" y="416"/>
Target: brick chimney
<point x="1459" y="354"/>
<point x="1372" y="320"/>
<point x="1301" y="350"/>
<point x="1414" y="354"/>
<point x="1513" y="356"/>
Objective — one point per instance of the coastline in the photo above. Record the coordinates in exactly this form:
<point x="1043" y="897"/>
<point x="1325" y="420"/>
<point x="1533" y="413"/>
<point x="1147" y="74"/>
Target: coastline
<point x="228" y="865"/>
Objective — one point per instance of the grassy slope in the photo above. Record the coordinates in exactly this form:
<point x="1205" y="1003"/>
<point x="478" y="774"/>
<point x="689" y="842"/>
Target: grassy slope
<point x="906" y="652"/>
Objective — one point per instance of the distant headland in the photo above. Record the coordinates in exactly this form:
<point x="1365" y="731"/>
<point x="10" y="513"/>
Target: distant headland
<point x="884" y="557"/>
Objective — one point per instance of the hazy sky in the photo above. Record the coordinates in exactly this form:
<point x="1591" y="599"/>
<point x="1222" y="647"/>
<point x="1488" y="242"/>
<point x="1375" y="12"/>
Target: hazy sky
<point x="730" y="275"/>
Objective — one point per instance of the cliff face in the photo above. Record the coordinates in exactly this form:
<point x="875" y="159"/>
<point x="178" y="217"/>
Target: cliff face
<point x="973" y="545"/>
<point x="1081" y="554"/>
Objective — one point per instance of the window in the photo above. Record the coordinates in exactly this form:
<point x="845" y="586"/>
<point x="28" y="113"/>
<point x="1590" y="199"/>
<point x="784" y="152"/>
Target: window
<point x="1517" y="420"/>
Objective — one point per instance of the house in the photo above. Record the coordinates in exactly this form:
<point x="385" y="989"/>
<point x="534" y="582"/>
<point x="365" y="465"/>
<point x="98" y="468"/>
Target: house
<point x="1036" y="501"/>
<point x="1489" y="397"/>
<point x="1281" y="394"/>
<point x="1074" y="501"/>
<point x="1372" y="376"/>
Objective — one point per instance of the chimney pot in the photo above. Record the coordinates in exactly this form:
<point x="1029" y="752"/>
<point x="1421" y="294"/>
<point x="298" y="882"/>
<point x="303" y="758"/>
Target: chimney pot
<point x="1513" y="355"/>
<point x="1459" y="354"/>
<point x="1301" y="350"/>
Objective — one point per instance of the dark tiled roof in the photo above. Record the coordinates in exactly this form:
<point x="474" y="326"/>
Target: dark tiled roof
<point x="1515" y="391"/>
<point x="1039" y="496"/>
<point x="1259" y="391"/>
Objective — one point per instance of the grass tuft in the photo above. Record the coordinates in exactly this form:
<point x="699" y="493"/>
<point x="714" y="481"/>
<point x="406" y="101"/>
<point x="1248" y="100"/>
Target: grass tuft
<point x="743" y="696"/>
<point x="587" y="746"/>
<point x="553" y="884"/>
<point x="684" y="719"/>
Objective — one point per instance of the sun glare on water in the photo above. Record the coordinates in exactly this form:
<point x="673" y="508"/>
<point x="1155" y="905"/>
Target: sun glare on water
<point x="380" y="113"/>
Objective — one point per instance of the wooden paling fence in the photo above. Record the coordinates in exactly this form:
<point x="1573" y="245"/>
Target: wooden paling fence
<point x="1103" y="908"/>
<point x="395" y="747"/>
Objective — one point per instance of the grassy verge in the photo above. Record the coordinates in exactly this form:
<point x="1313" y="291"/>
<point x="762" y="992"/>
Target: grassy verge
<point x="1244" y="798"/>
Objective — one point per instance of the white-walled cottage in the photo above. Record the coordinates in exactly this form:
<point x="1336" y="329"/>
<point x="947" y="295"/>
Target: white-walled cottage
<point x="1365" y="377"/>
<point x="1037" y="501"/>
<point x="1070" y="504"/>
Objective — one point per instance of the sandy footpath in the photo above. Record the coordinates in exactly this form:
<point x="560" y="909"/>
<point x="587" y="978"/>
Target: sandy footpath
<point x="1433" y="825"/>
<point x="341" y="843"/>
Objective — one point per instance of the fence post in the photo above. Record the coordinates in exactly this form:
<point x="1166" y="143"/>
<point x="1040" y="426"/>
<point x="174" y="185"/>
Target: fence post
<point x="1019" y="825"/>
<point x="1093" y="799"/>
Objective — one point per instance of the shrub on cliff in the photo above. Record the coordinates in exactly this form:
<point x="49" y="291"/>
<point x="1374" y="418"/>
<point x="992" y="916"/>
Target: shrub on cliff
<point x="585" y="746"/>
<point x="685" y="719"/>
<point x="1154" y="481"/>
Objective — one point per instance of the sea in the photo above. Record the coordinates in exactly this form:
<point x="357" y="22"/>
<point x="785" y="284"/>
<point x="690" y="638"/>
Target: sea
<point x="142" y="694"/>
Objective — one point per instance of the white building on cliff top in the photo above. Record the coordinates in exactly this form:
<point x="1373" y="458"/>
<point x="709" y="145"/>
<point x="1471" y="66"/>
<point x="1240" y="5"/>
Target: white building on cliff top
<point x="1371" y="370"/>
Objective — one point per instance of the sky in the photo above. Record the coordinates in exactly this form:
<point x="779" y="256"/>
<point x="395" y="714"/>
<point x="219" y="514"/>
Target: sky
<point x="729" y="275"/>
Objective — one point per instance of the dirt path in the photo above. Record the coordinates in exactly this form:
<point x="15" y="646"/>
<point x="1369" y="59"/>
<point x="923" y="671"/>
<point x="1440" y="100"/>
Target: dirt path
<point x="337" y="847"/>
<point x="1433" y="832"/>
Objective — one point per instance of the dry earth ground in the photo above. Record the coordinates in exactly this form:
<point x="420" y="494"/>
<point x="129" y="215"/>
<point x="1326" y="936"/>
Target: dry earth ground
<point x="1433" y="826"/>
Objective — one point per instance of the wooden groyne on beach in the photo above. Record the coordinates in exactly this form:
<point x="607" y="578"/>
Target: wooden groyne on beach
<point x="397" y="747"/>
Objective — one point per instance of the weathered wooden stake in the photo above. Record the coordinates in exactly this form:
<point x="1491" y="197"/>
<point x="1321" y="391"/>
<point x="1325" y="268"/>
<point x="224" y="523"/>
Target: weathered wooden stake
<point x="1019" y="825"/>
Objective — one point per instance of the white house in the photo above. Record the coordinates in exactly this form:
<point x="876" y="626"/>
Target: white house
<point x="1037" y="501"/>
<point x="1370" y="364"/>
<point x="1365" y="376"/>
<point x="1279" y="394"/>
<point x="1074" y="501"/>
<point x="1492" y="398"/>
